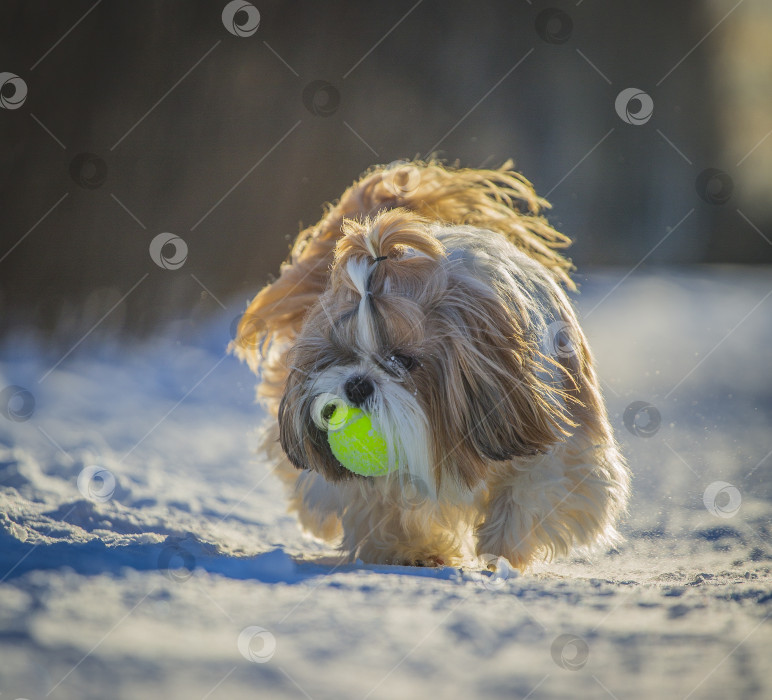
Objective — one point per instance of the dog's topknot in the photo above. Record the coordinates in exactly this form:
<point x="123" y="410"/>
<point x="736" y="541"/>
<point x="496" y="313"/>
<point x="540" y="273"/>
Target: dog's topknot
<point x="394" y="253"/>
<point x="390" y="235"/>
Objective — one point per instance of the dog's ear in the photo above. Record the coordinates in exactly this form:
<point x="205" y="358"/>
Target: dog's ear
<point x="495" y="401"/>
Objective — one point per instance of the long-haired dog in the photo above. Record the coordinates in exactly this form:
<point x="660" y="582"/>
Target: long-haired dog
<point x="431" y="298"/>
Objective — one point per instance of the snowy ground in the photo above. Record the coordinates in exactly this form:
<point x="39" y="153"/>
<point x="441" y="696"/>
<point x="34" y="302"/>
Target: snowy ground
<point x="97" y="600"/>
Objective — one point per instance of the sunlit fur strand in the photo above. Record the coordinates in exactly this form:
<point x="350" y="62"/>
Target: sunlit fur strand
<point x="499" y="200"/>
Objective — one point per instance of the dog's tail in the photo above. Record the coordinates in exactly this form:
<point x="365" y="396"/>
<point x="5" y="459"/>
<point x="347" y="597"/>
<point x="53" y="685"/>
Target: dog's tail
<point x="499" y="200"/>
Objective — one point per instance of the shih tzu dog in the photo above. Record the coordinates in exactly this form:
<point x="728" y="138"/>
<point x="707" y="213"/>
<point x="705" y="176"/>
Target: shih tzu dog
<point x="431" y="298"/>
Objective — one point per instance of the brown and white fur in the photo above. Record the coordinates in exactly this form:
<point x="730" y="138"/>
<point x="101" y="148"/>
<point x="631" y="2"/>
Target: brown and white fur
<point x="466" y="352"/>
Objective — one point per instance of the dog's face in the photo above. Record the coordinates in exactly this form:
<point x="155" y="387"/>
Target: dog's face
<point x="445" y="369"/>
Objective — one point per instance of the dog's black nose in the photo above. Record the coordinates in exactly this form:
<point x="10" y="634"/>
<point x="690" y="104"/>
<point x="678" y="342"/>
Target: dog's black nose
<point x="358" y="389"/>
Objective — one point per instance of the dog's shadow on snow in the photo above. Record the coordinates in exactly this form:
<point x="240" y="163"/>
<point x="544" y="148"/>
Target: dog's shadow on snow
<point x="180" y="558"/>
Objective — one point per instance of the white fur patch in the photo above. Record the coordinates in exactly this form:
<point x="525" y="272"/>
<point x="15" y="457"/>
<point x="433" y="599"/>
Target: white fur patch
<point x="359" y="271"/>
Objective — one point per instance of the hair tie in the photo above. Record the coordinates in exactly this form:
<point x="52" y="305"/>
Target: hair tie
<point x="381" y="257"/>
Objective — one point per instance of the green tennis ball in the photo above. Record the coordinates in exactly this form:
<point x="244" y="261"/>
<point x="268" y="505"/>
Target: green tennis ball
<point x="356" y="444"/>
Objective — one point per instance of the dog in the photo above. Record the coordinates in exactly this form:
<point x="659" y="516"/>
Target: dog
<point x="432" y="298"/>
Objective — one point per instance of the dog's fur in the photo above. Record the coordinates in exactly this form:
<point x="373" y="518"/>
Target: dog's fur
<point x="482" y="380"/>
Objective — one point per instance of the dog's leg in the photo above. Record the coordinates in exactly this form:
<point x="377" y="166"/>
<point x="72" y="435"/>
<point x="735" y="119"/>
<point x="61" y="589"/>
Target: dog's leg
<point x="317" y="504"/>
<point x="381" y="527"/>
<point x="543" y="507"/>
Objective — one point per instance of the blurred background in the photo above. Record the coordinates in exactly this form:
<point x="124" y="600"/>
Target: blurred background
<point x="157" y="160"/>
<point x="647" y="125"/>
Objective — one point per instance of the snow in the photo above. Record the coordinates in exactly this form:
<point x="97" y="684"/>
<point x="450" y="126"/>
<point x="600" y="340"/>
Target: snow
<point x="180" y="575"/>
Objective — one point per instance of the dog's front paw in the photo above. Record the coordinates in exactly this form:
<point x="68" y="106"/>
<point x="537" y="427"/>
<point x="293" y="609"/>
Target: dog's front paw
<point x="431" y="560"/>
<point x="403" y="557"/>
<point x="493" y="543"/>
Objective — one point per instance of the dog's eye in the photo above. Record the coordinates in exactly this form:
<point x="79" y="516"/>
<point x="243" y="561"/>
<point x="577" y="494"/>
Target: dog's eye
<point x="407" y="362"/>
